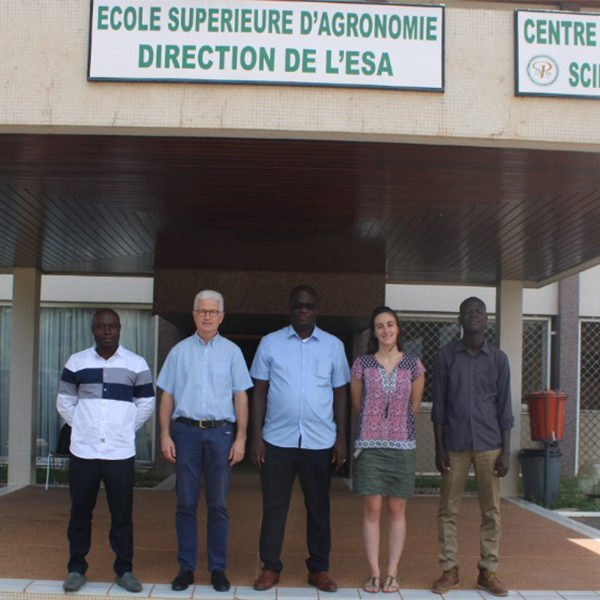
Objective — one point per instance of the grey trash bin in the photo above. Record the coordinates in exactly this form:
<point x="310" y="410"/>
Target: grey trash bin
<point x="533" y="470"/>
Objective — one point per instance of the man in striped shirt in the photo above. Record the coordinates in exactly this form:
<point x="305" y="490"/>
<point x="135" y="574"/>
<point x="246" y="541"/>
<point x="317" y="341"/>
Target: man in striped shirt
<point x="106" y="395"/>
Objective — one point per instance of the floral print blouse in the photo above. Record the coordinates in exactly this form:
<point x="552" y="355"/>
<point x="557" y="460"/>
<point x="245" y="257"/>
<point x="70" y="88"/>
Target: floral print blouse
<point x="385" y="418"/>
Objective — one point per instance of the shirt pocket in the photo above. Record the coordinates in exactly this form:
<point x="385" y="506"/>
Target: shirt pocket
<point x="484" y="383"/>
<point x="221" y="378"/>
<point x="321" y="367"/>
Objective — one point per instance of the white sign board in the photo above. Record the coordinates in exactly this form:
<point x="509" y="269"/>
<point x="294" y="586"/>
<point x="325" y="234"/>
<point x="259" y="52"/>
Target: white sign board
<point x="266" y="41"/>
<point x="557" y="54"/>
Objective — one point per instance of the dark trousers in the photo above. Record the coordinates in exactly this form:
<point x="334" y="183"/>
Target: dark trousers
<point x="277" y="475"/>
<point x="85" y="476"/>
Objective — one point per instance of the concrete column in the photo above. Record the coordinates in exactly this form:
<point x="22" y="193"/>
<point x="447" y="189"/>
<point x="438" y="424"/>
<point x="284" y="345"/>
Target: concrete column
<point x="23" y="385"/>
<point x="509" y="333"/>
<point x="568" y="357"/>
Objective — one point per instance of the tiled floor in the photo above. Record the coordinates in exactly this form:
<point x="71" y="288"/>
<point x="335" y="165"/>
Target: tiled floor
<point x="26" y="589"/>
<point x="544" y="556"/>
<point x="37" y="589"/>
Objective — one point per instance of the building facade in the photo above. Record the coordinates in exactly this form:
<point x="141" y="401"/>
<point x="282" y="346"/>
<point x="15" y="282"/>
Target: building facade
<point x="248" y="146"/>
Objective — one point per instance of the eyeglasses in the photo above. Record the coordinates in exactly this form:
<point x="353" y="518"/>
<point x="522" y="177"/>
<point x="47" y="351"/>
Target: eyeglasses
<point x="306" y="305"/>
<point x="207" y="313"/>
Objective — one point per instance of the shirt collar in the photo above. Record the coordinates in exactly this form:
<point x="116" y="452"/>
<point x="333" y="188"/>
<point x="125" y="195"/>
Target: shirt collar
<point x="118" y="351"/>
<point x="291" y="332"/>
<point x="211" y="342"/>
<point x="460" y="347"/>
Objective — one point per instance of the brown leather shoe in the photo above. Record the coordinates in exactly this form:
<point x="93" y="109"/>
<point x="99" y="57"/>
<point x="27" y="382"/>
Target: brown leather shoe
<point x="448" y="581"/>
<point x="488" y="581"/>
<point x="322" y="581"/>
<point x="266" y="580"/>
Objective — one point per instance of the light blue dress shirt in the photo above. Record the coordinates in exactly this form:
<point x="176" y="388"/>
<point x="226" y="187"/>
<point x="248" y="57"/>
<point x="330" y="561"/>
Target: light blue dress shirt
<point x="203" y="377"/>
<point x="301" y="376"/>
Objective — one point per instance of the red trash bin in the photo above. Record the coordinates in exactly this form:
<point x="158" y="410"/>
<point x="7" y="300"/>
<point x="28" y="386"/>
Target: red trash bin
<point x="547" y="415"/>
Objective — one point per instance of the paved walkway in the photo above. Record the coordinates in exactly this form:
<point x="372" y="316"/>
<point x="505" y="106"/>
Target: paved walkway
<point x="544" y="555"/>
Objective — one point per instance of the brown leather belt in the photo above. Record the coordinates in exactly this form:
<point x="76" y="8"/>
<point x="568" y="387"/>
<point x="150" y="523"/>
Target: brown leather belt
<point x="202" y="423"/>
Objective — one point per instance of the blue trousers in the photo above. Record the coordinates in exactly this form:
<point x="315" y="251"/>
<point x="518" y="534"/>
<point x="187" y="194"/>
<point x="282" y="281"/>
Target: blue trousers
<point x="84" y="482"/>
<point x="202" y="453"/>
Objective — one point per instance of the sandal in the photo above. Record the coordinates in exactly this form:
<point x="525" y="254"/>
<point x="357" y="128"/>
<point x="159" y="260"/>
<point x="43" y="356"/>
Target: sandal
<point x="372" y="585"/>
<point x="390" y="585"/>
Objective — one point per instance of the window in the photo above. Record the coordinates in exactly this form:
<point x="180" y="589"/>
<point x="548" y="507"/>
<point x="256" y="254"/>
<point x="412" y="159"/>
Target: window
<point x="63" y="331"/>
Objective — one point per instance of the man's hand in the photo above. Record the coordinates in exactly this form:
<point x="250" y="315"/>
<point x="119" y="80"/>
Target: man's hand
<point x="237" y="451"/>
<point x="442" y="458"/>
<point x="257" y="452"/>
<point x="502" y="464"/>
<point x="167" y="446"/>
<point x="339" y="454"/>
<point x="442" y="461"/>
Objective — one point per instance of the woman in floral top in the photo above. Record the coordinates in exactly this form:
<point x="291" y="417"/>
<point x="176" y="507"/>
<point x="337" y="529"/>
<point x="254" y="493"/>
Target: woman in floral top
<point x="386" y="387"/>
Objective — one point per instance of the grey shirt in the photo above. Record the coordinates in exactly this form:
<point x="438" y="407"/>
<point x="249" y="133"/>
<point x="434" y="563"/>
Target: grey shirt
<point x="471" y="397"/>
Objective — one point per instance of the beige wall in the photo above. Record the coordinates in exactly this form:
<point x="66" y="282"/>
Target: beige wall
<point x="446" y="299"/>
<point x="44" y="48"/>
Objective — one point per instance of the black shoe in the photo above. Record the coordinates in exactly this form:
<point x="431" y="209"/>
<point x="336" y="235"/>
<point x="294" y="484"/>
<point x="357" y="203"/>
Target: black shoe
<point x="183" y="580"/>
<point x="219" y="581"/>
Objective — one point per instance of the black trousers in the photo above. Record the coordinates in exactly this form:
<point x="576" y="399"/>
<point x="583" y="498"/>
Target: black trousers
<point x="85" y="476"/>
<point x="277" y="475"/>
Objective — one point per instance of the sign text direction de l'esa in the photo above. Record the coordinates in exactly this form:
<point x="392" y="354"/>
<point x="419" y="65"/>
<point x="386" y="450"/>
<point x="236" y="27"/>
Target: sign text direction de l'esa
<point x="268" y="42"/>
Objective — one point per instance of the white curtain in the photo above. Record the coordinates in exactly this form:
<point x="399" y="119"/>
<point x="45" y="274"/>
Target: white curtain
<point x="65" y="330"/>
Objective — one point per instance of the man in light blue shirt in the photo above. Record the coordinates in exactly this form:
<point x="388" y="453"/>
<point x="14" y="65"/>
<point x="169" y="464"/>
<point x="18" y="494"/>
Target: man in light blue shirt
<point x="204" y="381"/>
<point x="299" y="409"/>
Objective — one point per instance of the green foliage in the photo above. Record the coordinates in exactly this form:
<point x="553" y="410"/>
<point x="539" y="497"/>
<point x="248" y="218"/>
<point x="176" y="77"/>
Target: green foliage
<point x="149" y="477"/>
<point x="57" y="476"/>
<point x="573" y="498"/>
<point x="144" y="477"/>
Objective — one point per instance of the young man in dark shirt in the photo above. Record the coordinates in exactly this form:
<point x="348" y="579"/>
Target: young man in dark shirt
<point x="472" y="418"/>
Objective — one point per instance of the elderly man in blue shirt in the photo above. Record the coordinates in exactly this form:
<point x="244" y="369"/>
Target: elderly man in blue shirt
<point x="472" y="418"/>
<point x="299" y="408"/>
<point x="203" y="421"/>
